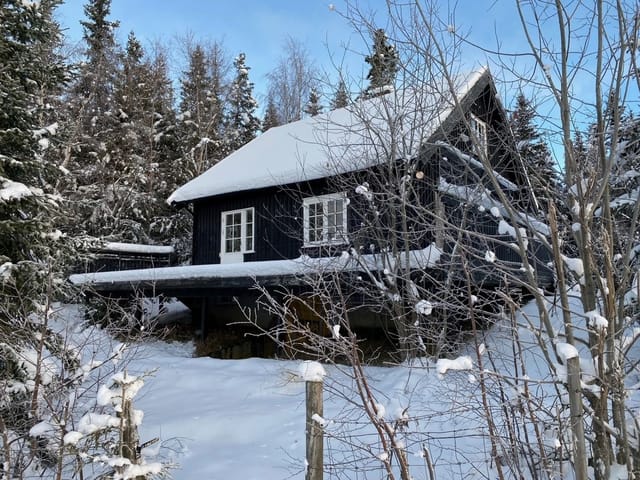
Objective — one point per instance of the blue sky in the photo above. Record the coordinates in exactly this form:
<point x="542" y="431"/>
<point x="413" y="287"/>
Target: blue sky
<point x="256" y="27"/>
<point x="259" y="27"/>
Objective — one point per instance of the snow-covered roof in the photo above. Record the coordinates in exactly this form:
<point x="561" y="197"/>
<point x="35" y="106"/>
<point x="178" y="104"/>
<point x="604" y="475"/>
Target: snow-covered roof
<point x="340" y="141"/>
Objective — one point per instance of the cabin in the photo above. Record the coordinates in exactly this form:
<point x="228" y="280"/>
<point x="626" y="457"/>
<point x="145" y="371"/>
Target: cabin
<point x="333" y="193"/>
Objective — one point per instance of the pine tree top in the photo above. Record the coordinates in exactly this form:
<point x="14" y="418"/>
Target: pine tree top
<point x="384" y="64"/>
<point x="341" y="96"/>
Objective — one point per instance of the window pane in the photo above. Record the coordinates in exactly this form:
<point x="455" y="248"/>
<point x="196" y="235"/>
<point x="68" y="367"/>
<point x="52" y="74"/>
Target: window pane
<point x="324" y="219"/>
<point x="236" y="245"/>
<point x="248" y="229"/>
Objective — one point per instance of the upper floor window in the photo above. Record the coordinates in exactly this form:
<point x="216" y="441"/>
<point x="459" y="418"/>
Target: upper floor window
<point x="325" y="219"/>
<point x="238" y="231"/>
<point x="479" y="134"/>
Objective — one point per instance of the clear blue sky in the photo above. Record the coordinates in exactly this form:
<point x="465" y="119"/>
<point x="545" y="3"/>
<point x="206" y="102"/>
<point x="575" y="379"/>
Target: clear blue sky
<point x="256" y="27"/>
<point x="259" y="27"/>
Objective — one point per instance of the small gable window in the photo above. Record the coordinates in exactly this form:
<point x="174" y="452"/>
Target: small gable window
<point x="325" y="219"/>
<point x="238" y="231"/>
<point x="479" y="135"/>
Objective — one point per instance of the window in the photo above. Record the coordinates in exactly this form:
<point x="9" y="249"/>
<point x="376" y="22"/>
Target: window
<point x="479" y="135"/>
<point x="237" y="231"/>
<point x="325" y="219"/>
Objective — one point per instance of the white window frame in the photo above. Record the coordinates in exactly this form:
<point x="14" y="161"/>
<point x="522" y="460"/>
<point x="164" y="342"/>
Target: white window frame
<point x="479" y="135"/>
<point x="243" y="230"/>
<point x="324" y="200"/>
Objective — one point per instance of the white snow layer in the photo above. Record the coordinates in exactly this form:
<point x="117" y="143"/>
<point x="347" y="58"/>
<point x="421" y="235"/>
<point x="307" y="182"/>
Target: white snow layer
<point x="597" y="321"/>
<point x="424" y="307"/>
<point x="13" y="190"/>
<point x="136" y="248"/>
<point x="566" y="351"/>
<point x="304" y="265"/>
<point x="461" y="363"/>
<point x="311" y="371"/>
<point x="332" y="143"/>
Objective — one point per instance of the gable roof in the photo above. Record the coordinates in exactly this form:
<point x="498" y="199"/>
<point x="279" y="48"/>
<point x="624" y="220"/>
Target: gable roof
<point x="339" y="141"/>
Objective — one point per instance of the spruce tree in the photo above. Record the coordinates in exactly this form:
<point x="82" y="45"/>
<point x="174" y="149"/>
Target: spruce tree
<point x="540" y="169"/>
<point x="200" y="119"/>
<point x="130" y="191"/>
<point x="97" y="74"/>
<point x="30" y="244"/>
<point x="341" y="96"/>
<point x="27" y="202"/>
<point x="625" y="186"/>
<point x="168" y="225"/>
<point x="271" y="118"/>
<point x="93" y="127"/>
<point x="384" y="64"/>
<point x="242" y="122"/>
<point x="313" y="106"/>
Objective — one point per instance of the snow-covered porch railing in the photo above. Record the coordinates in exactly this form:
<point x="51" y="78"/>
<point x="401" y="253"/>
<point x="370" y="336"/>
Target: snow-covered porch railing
<point x="112" y="256"/>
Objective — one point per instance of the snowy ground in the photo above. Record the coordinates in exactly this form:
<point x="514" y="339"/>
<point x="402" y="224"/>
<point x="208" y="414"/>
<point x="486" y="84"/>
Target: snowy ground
<point x="244" y="419"/>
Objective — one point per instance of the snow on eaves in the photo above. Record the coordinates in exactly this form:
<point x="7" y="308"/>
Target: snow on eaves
<point x="506" y="183"/>
<point x="340" y="141"/>
<point x="480" y="196"/>
<point x="303" y="265"/>
<point x="136" y="248"/>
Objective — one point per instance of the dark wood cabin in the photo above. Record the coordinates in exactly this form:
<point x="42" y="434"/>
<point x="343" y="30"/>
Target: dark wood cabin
<point x="302" y="189"/>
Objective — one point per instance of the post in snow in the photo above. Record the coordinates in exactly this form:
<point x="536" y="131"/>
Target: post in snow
<point x="313" y="374"/>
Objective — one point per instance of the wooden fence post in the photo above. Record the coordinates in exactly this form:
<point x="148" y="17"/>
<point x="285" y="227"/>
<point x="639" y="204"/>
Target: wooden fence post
<point x="315" y="440"/>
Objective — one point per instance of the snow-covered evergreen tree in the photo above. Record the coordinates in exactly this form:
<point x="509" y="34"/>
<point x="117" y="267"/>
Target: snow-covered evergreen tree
<point x="540" y="168"/>
<point x="130" y="189"/>
<point x="30" y="243"/>
<point x="271" y="118"/>
<point x="341" y="96"/>
<point x="168" y="226"/>
<point x="96" y="78"/>
<point x="92" y="125"/>
<point x="242" y="123"/>
<point x="384" y="64"/>
<point x="313" y="106"/>
<point x="624" y="198"/>
<point x="200" y="118"/>
<point x="27" y="200"/>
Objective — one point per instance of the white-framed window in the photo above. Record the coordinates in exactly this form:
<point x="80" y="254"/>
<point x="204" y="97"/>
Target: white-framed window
<point x="479" y="134"/>
<point x="325" y="219"/>
<point x="238" y="231"/>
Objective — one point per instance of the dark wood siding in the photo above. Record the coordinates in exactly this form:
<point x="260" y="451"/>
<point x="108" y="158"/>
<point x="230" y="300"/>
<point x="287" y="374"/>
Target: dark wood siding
<point x="278" y="224"/>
